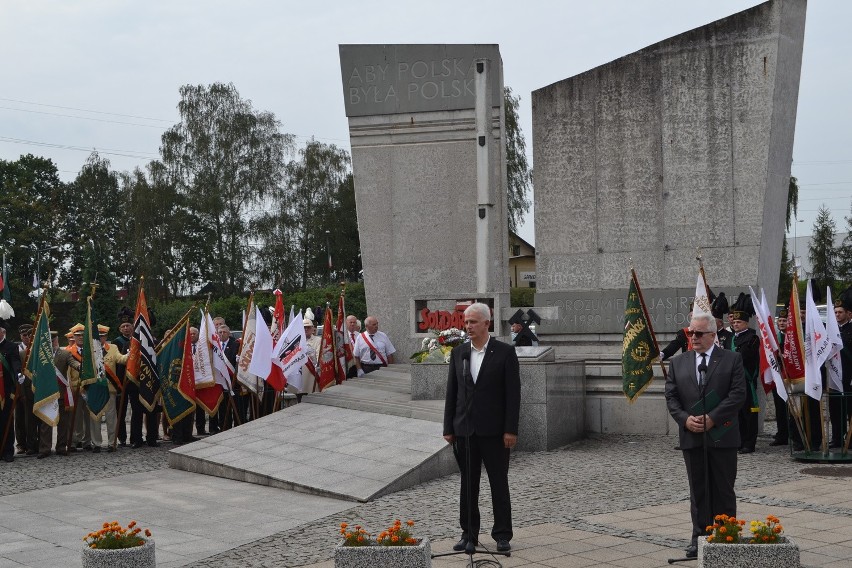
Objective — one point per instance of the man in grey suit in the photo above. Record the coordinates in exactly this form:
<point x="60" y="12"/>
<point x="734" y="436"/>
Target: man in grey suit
<point x="717" y="373"/>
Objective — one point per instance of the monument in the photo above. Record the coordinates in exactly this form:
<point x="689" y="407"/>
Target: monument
<point x="426" y="127"/>
<point x="684" y="144"/>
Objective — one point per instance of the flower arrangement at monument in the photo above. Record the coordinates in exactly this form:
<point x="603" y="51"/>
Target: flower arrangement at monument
<point x="113" y="536"/>
<point x="394" y="546"/>
<point x="394" y="535"/>
<point x="726" y="530"/>
<point x="437" y="349"/>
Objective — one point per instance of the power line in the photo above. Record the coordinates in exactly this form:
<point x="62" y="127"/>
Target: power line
<point x="83" y="117"/>
<point x="110" y="151"/>
<point x="87" y="110"/>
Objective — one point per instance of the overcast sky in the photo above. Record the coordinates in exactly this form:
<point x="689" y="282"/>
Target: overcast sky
<point x="78" y="76"/>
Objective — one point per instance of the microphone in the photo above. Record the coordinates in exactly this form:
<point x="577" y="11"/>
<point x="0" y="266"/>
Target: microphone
<point x="465" y="365"/>
<point x="702" y="372"/>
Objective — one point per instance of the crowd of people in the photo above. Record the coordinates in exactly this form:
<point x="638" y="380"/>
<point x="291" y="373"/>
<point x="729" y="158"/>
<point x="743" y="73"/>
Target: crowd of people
<point x="26" y="434"/>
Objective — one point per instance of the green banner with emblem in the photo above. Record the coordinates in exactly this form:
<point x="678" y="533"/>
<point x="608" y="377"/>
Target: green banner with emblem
<point x="639" y="346"/>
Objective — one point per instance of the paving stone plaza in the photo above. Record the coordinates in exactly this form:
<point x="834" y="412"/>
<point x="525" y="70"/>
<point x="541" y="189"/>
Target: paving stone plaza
<point x="609" y="500"/>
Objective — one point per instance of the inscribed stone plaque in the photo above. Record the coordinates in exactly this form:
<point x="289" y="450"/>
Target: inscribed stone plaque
<point x="394" y="79"/>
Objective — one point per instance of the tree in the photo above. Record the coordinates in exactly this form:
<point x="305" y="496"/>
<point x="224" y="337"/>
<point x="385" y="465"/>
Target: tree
<point x="31" y="218"/>
<point x="844" y="255"/>
<point x="310" y="203"/>
<point x="788" y="264"/>
<point x="224" y="158"/>
<point x="821" y="251"/>
<point x="517" y="168"/>
<point x="94" y="220"/>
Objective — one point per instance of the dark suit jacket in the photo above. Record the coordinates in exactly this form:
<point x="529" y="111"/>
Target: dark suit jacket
<point x="495" y="399"/>
<point x="9" y="349"/>
<point x="725" y="376"/>
<point x="231" y="350"/>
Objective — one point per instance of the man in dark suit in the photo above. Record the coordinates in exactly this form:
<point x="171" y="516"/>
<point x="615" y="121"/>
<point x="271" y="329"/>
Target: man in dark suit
<point x="722" y="373"/>
<point x="481" y="415"/>
<point x="230" y="348"/>
<point x="11" y="363"/>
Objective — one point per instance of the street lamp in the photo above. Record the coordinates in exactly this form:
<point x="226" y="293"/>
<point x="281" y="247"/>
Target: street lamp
<point x="328" y="250"/>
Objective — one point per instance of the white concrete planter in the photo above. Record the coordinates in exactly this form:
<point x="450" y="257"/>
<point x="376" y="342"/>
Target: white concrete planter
<point x="419" y="556"/>
<point x="135" y="557"/>
<point x="784" y="554"/>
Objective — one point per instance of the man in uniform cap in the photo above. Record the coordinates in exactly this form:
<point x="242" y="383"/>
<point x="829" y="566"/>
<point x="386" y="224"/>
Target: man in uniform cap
<point x="782" y="435"/>
<point x="10" y="361"/>
<point x="746" y="343"/>
<point x="719" y="308"/>
<point x="112" y="358"/>
<point x="82" y="436"/>
<point x="26" y="423"/>
<point x="840" y="408"/>
<point x="64" y="363"/>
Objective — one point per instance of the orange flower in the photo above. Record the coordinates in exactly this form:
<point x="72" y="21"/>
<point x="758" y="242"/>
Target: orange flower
<point x="147" y="532"/>
<point x="106" y="525"/>
<point x="410" y="540"/>
<point x="777" y="529"/>
<point x="395" y="538"/>
<point x="729" y="538"/>
<point x="343" y="525"/>
<point x="360" y="539"/>
<point x="723" y="530"/>
<point x="410" y="523"/>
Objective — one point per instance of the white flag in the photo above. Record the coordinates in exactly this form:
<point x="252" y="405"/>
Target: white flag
<point x="261" y="361"/>
<point x="832" y="364"/>
<point x="817" y="347"/>
<point x="773" y="335"/>
<point x="221" y="366"/>
<point x="244" y="376"/>
<point x="202" y="357"/>
<point x="291" y="352"/>
<point x="772" y="373"/>
<point x="701" y="304"/>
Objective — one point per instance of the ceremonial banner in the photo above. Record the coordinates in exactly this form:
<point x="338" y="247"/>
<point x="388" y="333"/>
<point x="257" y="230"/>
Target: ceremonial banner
<point x="208" y="391"/>
<point x="93" y="377"/>
<point x="222" y="368"/>
<point x="291" y="354"/>
<point x="276" y="379"/>
<point x="261" y="359"/>
<point x="794" y="345"/>
<point x="40" y="369"/>
<point x="770" y="367"/>
<point x="327" y="355"/>
<point x="344" y="355"/>
<point x="175" y="368"/>
<point x="639" y="345"/>
<point x="252" y="382"/>
<point x="832" y="364"/>
<point x="816" y="347"/>
<point x="702" y="303"/>
<point x="142" y="359"/>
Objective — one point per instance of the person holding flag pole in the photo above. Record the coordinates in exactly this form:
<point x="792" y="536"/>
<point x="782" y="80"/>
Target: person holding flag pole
<point x="142" y="381"/>
<point x="39" y="368"/>
<point x="327" y="357"/>
<point x="838" y="367"/>
<point x="793" y="371"/>
<point x="177" y="379"/>
<point x="817" y="349"/>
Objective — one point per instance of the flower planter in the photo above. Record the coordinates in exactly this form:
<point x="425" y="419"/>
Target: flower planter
<point x="419" y="556"/>
<point x="135" y="557"/>
<point x="784" y="554"/>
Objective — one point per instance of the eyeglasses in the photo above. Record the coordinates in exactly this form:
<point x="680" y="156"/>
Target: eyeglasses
<point x="698" y="334"/>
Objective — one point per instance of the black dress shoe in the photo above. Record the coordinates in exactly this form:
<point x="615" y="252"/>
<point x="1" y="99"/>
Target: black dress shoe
<point x="79" y="445"/>
<point x="110" y="449"/>
<point x="503" y="546"/>
<point x="32" y="452"/>
<point x="692" y="551"/>
<point x="96" y="450"/>
<point x="136" y="445"/>
<point x="122" y="443"/>
<point x="44" y="455"/>
<point x="8" y="458"/>
<point x="154" y="443"/>
<point x="834" y="444"/>
<point x="462" y="544"/>
<point x="778" y="443"/>
<point x="746" y="450"/>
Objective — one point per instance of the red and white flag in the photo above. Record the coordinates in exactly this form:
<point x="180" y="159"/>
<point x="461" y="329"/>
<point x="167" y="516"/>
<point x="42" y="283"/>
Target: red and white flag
<point x="817" y="347"/>
<point x="244" y="375"/>
<point x="327" y="355"/>
<point x="770" y="366"/>
<point x="291" y="353"/>
<point x="832" y="364"/>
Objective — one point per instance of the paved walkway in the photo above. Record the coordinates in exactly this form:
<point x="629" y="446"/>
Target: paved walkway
<point x="606" y="501"/>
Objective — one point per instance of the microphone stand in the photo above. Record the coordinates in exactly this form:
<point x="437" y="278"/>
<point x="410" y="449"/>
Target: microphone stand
<point x="470" y="548"/>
